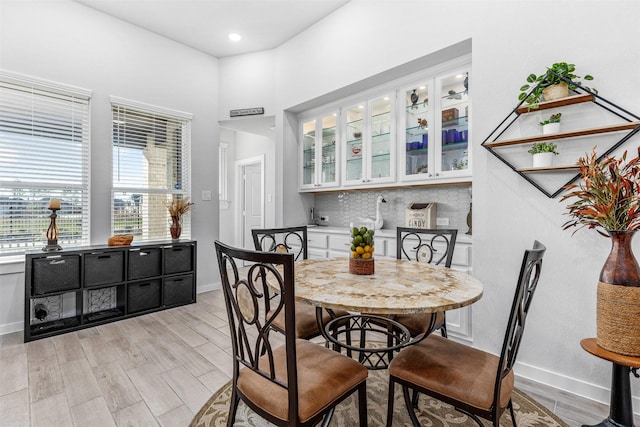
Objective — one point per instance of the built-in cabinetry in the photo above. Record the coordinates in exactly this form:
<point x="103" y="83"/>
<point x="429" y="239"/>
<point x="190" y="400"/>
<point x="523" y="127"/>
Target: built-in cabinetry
<point x="77" y="288"/>
<point x="415" y="133"/>
<point x="333" y="242"/>
<point x="587" y="121"/>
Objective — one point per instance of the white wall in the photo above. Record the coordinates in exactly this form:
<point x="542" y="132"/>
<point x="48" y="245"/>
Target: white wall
<point x="69" y="43"/>
<point x="509" y="41"/>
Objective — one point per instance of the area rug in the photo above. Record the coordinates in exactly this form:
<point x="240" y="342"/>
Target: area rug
<point x="431" y="412"/>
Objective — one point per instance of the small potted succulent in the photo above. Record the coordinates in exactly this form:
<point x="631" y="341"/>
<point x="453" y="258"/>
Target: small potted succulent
<point x="543" y="153"/>
<point x="551" y="125"/>
<point x="550" y="85"/>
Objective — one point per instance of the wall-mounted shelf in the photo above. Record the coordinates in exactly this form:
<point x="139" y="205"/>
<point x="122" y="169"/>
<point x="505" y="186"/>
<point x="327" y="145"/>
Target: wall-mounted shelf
<point x="540" y="177"/>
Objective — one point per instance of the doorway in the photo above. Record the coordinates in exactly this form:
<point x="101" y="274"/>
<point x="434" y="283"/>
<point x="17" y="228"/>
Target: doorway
<point x="250" y="193"/>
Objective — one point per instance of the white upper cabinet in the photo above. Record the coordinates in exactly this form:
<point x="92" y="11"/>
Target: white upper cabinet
<point x="435" y="141"/>
<point x="369" y="149"/>
<point x="416" y="133"/>
<point x="319" y="153"/>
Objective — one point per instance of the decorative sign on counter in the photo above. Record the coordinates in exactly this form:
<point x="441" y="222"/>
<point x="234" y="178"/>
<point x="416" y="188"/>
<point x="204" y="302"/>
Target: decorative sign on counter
<point x="246" y="112"/>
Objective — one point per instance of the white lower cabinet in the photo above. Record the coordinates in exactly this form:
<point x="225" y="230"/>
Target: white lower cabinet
<point x="334" y="242"/>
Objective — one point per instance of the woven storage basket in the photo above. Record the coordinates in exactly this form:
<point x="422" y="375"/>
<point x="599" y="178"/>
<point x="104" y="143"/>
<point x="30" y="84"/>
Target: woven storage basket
<point x="618" y="318"/>
<point x="361" y="266"/>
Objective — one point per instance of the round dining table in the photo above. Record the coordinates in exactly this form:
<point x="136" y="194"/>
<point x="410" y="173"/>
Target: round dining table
<point x="396" y="287"/>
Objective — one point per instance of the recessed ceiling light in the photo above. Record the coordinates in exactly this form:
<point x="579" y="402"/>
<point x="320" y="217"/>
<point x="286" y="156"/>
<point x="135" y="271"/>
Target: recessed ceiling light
<point x="423" y="87"/>
<point x="235" y="37"/>
<point x="459" y="76"/>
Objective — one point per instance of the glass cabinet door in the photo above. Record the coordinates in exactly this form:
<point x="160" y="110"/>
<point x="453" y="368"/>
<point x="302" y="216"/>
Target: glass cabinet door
<point x="418" y="120"/>
<point x="309" y="153"/>
<point x="454" y="106"/>
<point x="354" y="120"/>
<point x="328" y="147"/>
<point x="381" y="138"/>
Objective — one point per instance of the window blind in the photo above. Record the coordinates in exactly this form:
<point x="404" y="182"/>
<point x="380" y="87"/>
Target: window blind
<point x="44" y="154"/>
<point x="151" y="167"/>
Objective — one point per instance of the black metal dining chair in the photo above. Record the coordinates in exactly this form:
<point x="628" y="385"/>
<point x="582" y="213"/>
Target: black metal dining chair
<point x="298" y="383"/>
<point x="475" y="382"/>
<point x="432" y="246"/>
<point x="293" y="240"/>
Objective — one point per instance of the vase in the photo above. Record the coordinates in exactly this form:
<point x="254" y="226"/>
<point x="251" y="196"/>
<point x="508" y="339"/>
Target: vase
<point x="551" y="128"/>
<point x="618" y="300"/>
<point x="543" y="160"/>
<point x="556" y="91"/>
<point x="175" y="228"/>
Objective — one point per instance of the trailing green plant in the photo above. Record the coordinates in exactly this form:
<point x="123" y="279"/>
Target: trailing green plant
<point x="608" y="198"/>
<point x="543" y="147"/>
<point x="548" y="78"/>
<point x="554" y="118"/>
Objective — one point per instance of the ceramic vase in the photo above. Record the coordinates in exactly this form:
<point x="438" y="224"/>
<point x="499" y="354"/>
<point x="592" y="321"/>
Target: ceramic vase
<point x="543" y="160"/>
<point x="175" y="228"/>
<point x="557" y="91"/>
<point x="550" y="128"/>
<point x="618" y="300"/>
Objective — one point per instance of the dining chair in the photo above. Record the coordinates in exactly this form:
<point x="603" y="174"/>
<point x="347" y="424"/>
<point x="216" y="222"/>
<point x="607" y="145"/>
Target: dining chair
<point x="293" y="240"/>
<point x="298" y="383"/>
<point x="475" y="382"/>
<point x="432" y="246"/>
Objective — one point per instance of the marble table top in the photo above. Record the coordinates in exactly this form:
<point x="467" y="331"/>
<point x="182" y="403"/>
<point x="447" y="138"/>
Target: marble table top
<point x="397" y="286"/>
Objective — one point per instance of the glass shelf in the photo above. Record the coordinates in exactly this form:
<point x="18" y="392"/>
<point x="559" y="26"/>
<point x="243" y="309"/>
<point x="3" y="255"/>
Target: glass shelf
<point x="455" y="146"/>
<point x="454" y="96"/>
<point x="455" y="122"/>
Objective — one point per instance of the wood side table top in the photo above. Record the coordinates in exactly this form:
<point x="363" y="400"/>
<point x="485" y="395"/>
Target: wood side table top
<point x="591" y="345"/>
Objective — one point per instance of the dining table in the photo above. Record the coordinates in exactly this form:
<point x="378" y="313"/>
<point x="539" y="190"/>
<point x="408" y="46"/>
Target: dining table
<point x="396" y="287"/>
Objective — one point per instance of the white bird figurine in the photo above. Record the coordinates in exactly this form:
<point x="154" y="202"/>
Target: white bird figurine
<point x="379" y="221"/>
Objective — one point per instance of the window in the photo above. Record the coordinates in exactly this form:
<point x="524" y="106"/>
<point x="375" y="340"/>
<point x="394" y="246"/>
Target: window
<point x="44" y="154"/>
<point x="151" y="166"/>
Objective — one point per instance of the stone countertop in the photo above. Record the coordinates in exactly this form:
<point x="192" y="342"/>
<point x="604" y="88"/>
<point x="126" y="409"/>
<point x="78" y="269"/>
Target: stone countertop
<point x="384" y="232"/>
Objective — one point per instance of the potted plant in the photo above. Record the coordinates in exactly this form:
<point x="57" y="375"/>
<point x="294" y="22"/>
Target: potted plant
<point x="608" y="200"/>
<point x="177" y="208"/>
<point x="553" y="84"/>
<point x="543" y="153"/>
<point x="551" y="125"/>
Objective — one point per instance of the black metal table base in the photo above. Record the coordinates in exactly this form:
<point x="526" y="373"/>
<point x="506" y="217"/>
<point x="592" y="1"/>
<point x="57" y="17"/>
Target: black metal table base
<point x="620" y="406"/>
<point x="355" y="331"/>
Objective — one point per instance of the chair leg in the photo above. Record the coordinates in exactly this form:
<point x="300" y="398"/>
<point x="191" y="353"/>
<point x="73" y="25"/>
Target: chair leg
<point x="407" y="402"/>
<point x="443" y="330"/>
<point x="392" y="386"/>
<point x="327" y="418"/>
<point x="414" y="399"/>
<point x="362" y="403"/>
<point x="233" y="409"/>
<point x="513" y="415"/>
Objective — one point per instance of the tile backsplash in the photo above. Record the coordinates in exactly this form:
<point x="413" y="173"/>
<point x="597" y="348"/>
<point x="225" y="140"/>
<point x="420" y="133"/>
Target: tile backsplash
<point x="342" y="207"/>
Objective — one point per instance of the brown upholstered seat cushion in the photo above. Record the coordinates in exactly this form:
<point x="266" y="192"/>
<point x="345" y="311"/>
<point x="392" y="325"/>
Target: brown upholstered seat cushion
<point x="306" y="323"/>
<point x="454" y="370"/>
<point x="323" y="377"/>
<point x="419" y="322"/>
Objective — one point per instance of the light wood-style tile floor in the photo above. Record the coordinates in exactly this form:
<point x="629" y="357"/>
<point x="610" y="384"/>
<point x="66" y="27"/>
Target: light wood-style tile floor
<point x="156" y="369"/>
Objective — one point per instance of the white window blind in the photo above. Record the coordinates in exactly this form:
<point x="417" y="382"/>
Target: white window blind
<point x="44" y="154"/>
<point x="151" y="166"/>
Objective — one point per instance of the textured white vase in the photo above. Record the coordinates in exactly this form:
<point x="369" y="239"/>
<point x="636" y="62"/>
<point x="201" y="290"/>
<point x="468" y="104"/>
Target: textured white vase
<point x="543" y="160"/>
<point x="550" y="128"/>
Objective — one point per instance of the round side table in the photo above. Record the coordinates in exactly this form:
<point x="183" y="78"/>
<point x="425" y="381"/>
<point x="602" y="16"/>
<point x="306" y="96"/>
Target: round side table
<point x="620" y="406"/>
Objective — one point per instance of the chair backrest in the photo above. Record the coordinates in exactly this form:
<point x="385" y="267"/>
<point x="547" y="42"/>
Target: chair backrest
<point x="426" y="245"/>
<point x="525" y="288"/>
<point x="287" y="240"/>
<point x="246" y="296"/>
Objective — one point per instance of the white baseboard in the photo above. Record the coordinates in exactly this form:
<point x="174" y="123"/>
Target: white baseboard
<point x="208" y="287"/>
<point x="569" y="384"/>
<point x="10" y="328"/>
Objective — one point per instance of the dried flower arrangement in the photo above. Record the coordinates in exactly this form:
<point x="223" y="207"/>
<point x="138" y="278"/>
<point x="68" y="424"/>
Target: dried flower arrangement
<point x="608" y="198"/>
<point x="179" y="207"/>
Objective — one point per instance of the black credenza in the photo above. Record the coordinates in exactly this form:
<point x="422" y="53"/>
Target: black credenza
<point x="78" y="288"/>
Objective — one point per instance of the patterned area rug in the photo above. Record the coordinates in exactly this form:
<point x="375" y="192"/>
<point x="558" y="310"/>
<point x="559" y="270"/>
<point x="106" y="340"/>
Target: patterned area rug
<point x="431" y="412"/>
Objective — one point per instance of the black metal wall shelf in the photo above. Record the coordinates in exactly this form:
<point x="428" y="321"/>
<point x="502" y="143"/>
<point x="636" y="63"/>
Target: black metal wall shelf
<point x="629" y="125"/>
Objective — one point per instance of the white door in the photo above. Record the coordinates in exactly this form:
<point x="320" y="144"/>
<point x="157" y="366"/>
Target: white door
<point x="252" y="202"/>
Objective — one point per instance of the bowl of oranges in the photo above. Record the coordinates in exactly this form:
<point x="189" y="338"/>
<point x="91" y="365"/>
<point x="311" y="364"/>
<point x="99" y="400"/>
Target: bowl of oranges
<point x="362" y="247"/>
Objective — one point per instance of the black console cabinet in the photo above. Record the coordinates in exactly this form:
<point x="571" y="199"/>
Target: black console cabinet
<point x="82" y="287"/>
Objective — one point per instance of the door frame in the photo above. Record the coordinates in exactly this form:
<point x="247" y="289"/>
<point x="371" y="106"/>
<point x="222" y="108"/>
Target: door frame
<point x="239" y="167"/>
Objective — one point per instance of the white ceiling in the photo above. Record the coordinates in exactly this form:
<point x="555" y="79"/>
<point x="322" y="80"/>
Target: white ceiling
<point x="205" y="24"/>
